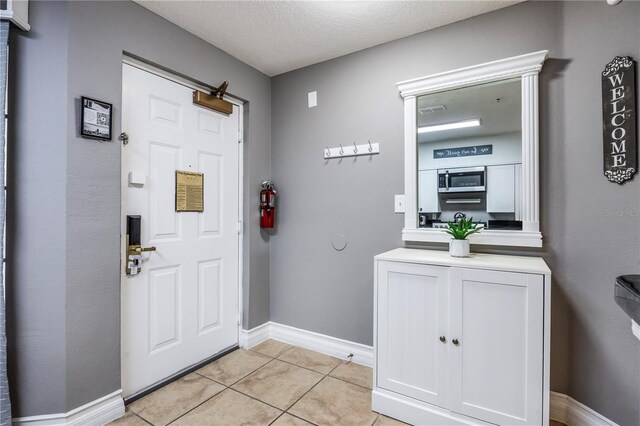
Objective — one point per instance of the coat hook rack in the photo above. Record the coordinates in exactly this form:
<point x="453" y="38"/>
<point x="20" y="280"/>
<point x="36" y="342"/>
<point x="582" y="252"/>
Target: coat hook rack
<point x="352" y="150"/>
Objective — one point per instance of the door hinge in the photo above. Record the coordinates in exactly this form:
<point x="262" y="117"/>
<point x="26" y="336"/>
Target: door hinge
<point x="240" y="227"/>
<point x="239" y="136"/>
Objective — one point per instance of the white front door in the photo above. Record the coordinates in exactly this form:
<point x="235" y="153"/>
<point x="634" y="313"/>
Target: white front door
<point x="183" y="306"/>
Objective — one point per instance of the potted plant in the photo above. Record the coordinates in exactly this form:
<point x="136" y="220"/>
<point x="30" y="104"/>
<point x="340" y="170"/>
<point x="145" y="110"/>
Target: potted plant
<point x="460" y="230"/>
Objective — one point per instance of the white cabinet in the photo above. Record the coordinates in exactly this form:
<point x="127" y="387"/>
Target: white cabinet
<point x="461" y="341"/>
<point x="428" y="191"/>
<point x="501" y="189"/>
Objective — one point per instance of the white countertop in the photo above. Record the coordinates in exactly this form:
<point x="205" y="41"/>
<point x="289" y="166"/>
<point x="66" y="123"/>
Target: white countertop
<point x="531" y="265"/>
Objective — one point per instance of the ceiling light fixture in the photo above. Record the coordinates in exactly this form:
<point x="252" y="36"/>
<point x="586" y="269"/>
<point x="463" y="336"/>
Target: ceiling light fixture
<point x="450" y="126"/>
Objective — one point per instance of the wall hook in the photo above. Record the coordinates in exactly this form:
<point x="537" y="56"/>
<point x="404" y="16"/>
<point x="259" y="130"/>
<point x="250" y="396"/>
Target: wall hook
<point x="357" y="150"/>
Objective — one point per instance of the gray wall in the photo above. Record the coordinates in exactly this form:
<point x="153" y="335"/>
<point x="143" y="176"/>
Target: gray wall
<point x="64" y="207"/>
<point x="36" y="215"/>
<point x="594" y="356"/>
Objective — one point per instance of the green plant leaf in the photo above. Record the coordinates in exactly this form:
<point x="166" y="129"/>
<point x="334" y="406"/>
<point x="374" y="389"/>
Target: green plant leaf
<point x="462" y="229"/>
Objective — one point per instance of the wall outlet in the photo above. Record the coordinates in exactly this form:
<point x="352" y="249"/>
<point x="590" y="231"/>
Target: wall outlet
<point x="312" y="97"/>
<point x="399" y="203"/>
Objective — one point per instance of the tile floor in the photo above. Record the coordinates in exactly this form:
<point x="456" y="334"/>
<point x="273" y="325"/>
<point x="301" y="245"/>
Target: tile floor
<point x="271" y="384"/>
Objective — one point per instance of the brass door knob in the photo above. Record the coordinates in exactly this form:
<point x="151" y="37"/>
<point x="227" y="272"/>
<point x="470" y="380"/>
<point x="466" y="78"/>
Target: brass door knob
<point x="443" y="339"/>
<point x="455" y="342"/>
<point x="141" y="249"/>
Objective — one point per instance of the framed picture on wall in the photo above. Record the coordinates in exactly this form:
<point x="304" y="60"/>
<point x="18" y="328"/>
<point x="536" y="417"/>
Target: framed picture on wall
<point x="96" y="119"/>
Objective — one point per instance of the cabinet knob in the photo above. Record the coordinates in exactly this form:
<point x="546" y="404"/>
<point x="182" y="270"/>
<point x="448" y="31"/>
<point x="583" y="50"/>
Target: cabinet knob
<point x="455" y="342"/>
<point x="443" y="339"/>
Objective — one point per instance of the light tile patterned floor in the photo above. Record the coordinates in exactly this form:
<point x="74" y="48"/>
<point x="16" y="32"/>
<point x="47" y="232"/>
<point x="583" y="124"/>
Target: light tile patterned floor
<point x="271" y="384"/>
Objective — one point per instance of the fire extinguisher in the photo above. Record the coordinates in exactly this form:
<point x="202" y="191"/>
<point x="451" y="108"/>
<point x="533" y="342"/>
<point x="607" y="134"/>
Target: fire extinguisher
<point x="267" y="205"/>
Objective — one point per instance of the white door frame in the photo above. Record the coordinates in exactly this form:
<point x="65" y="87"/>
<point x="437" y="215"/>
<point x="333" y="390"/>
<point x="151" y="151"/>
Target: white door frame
<point x="240" y="104"/>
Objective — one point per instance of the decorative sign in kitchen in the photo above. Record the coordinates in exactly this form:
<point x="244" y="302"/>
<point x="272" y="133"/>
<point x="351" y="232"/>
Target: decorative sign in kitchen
<point x="619" y="120"/>
<point x="467" y="151"/>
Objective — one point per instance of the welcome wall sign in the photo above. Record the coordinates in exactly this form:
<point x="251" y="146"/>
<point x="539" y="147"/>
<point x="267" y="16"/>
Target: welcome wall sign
<point x="619" y="119"/>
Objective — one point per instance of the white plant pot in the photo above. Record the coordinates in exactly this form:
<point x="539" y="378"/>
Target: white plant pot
<point x="459" y="248"/>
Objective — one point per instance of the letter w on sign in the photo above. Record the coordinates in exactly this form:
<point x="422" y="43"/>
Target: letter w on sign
<point x="619" y="120"/>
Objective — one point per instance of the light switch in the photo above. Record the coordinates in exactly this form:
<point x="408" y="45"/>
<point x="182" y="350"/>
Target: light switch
<point x="399" y="203"/>
<point x="313" y="99"/>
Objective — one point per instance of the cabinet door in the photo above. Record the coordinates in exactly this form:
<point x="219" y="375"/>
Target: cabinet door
<point x="501" y="189"/>
<point x="412" y="303"/>
<point x="497" y="365"/>
<point x="428" y="191"/>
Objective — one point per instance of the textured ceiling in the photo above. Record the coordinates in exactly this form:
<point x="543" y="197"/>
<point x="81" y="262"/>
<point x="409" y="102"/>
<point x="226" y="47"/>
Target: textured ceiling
<point x="279" y="36"/>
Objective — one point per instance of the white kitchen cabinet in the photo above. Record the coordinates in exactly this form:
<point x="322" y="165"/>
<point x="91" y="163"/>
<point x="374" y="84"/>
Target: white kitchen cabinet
<point x="501" y="189"/>
<point x="461" y="341"/>
<point x="428" y="191"/>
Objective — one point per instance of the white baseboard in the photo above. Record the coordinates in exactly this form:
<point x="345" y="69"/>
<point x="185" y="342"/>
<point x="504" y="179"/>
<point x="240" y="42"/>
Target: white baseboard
<point x="99" y="412"/>
<point x="255" y="336"/>
<point x="567" y="410"/>
<point x="339" y="348"/>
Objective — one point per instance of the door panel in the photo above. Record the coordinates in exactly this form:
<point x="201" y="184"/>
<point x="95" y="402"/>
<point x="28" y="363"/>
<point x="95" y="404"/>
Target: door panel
<point x="210" y="125"/>
<point x="412" y="312"/>
<point x="496" y="369"/>
<point x="164" y="307"/>
<point x="183" y="306"/>
<point x="209" y="295"/>
<point x="164" y="111"/>
<point x="163" y="219"/>
<point x="209" y="220"/>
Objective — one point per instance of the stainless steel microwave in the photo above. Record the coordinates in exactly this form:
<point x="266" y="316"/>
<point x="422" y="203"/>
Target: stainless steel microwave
<point x="468" y="179"/>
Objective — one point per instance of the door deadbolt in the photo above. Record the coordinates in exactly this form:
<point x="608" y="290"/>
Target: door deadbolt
<point x="133" y="257"/>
